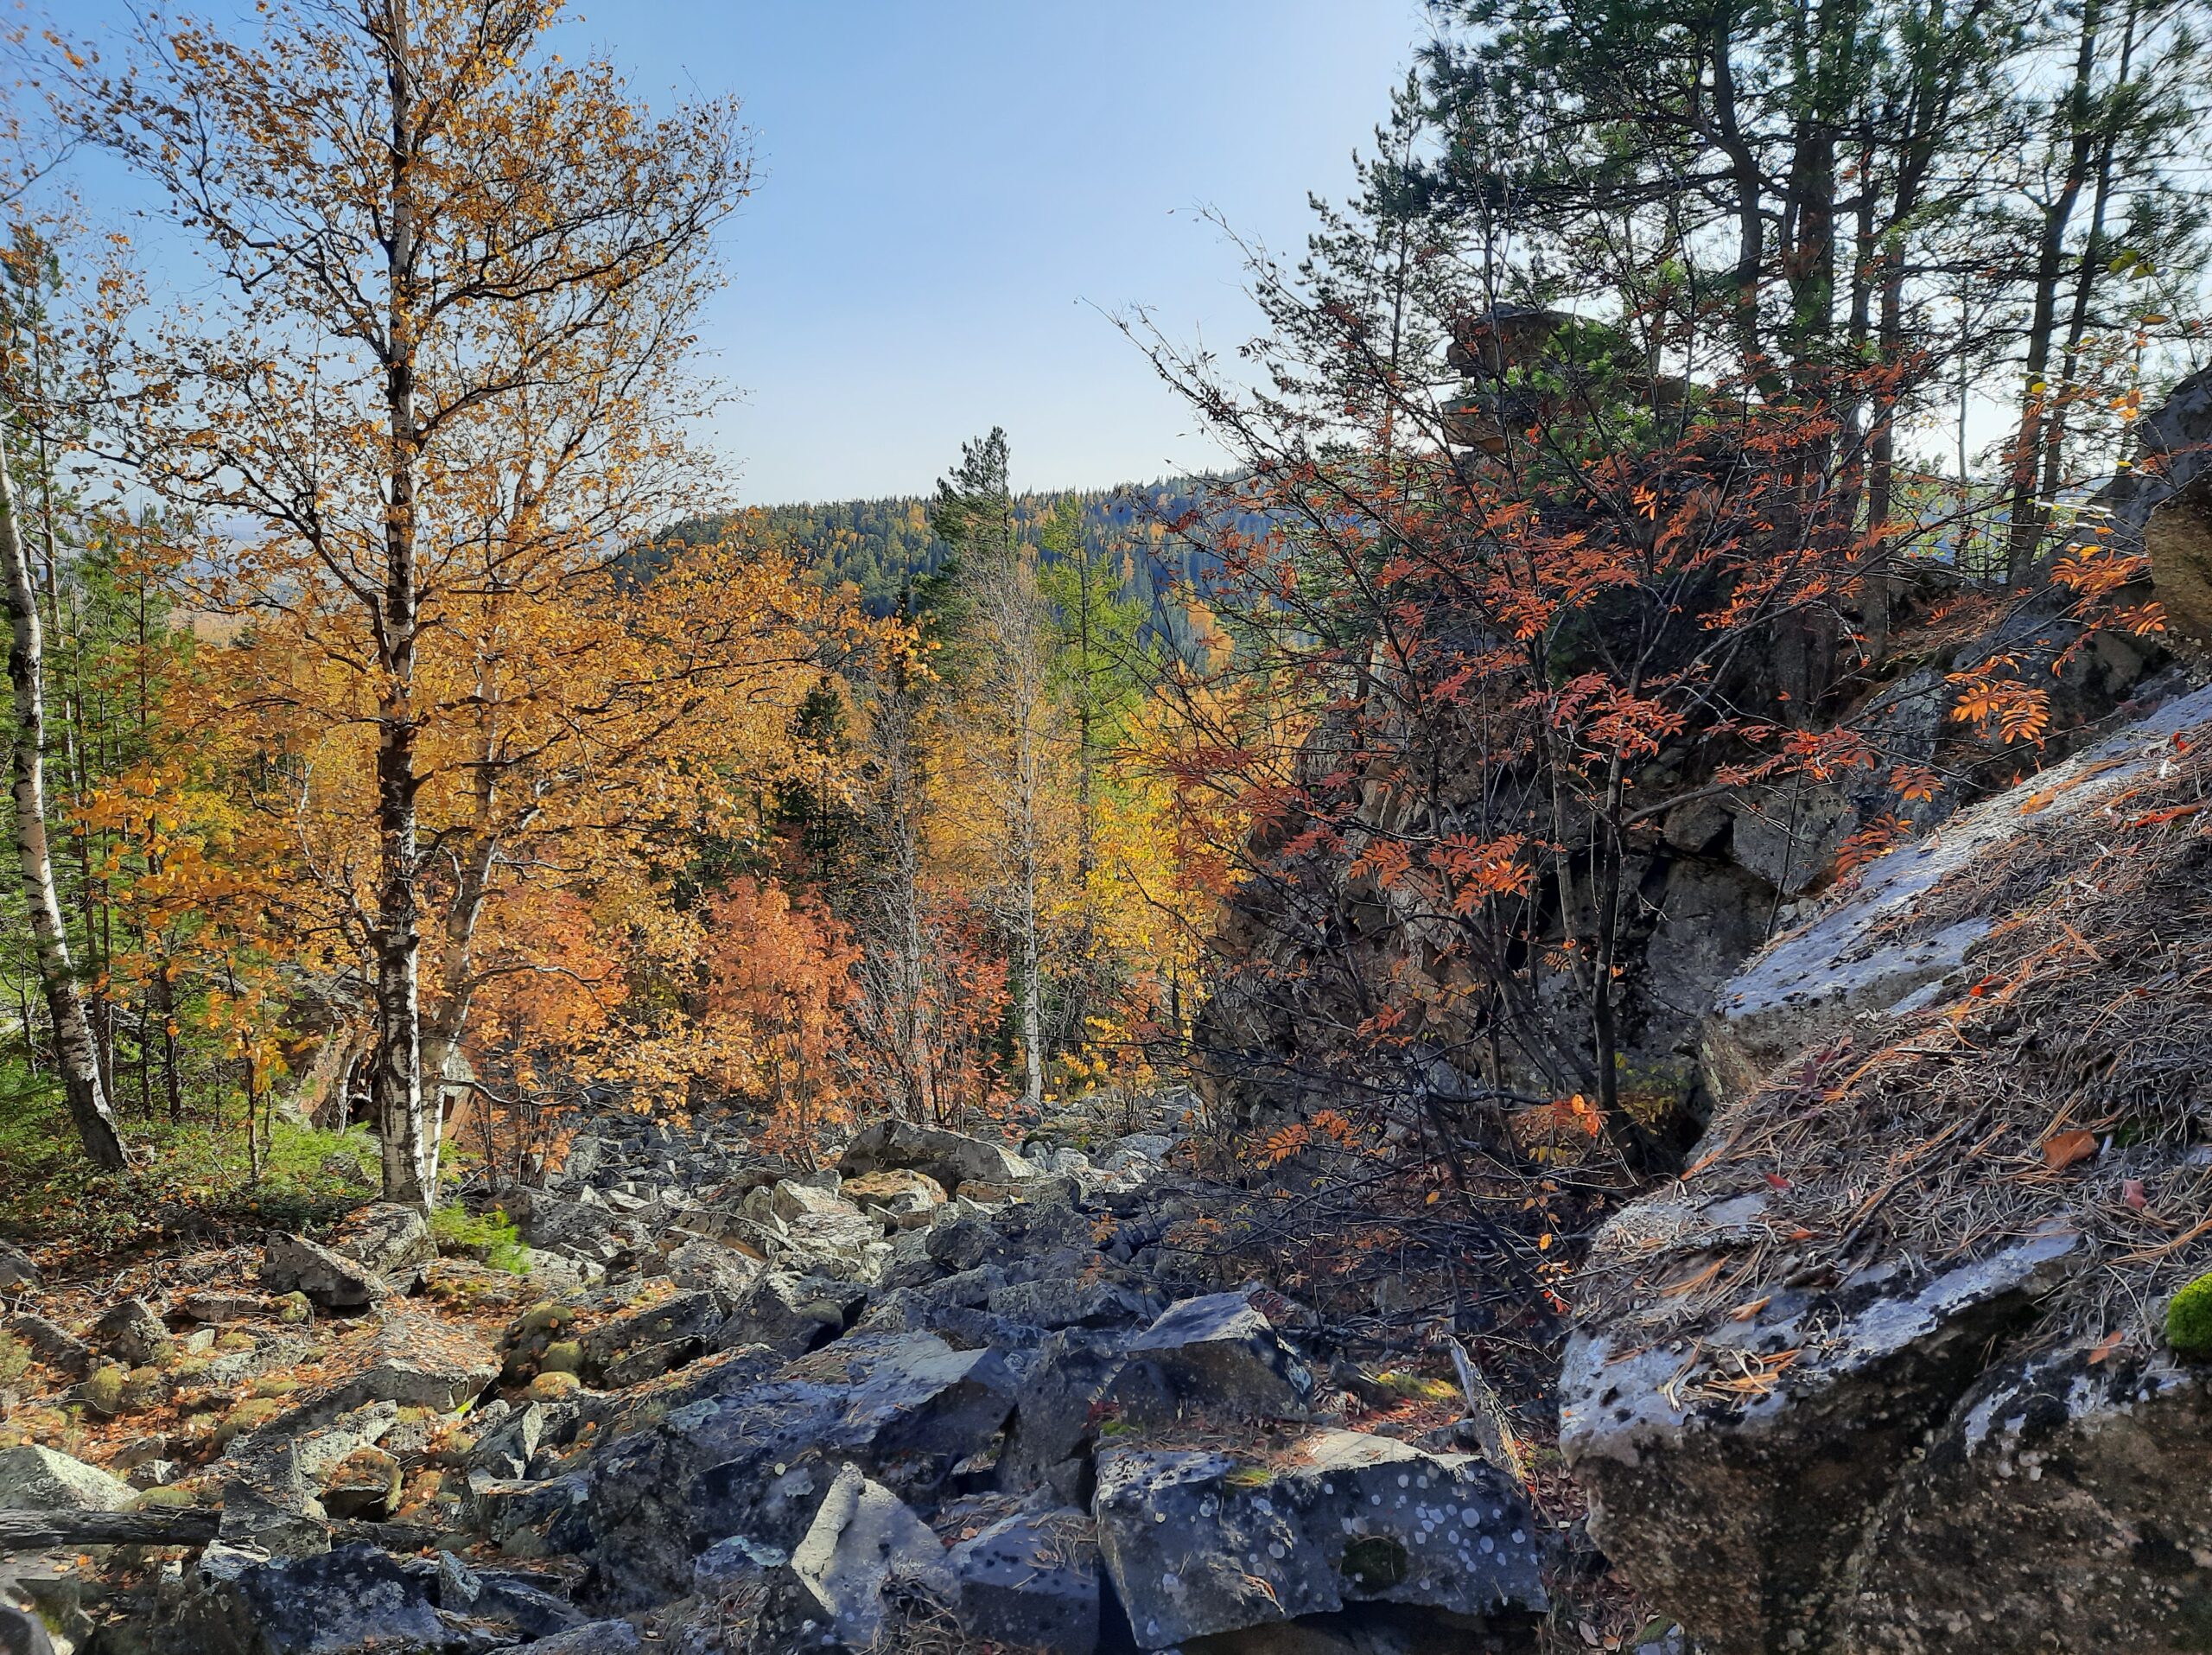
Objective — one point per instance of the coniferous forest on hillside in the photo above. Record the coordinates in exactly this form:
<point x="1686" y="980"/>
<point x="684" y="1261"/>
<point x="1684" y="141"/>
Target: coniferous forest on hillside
<point x="1559" y="1003"/>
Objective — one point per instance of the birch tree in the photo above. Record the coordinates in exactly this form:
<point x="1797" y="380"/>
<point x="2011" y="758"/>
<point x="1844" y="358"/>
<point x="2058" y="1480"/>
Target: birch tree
<point x="74" y="1052"/>
<point x="437" y="244"/>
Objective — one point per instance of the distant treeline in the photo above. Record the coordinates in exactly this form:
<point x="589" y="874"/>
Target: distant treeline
<point x="879" y="545"/>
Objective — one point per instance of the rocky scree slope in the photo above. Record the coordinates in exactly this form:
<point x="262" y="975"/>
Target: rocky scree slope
<point x="942" y="1397"/>
<point x="1888" y="1369"/>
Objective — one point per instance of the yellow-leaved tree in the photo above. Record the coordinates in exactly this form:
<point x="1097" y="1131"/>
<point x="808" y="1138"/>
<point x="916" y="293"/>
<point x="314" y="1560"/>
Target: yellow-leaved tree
<point x="434" y="401"/>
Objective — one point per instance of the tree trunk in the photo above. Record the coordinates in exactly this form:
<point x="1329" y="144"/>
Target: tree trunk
<point x="1744" y="178"/>
<point x="410" y="1135"/>
<point x="2094" y="254"/>
<point x="74" y="1051"/>
<point x="1027" y="806"/>
<point x="2025" y="526"/>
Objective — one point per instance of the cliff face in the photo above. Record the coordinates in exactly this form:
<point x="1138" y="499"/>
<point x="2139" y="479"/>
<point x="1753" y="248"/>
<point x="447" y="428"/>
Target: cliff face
<point x="1886" y="1369"/>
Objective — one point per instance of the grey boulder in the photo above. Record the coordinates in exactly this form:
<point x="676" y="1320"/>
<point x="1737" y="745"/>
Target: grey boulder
<point x="53" y="1344"/>
<point x="676" y="1329"/>
<point x="790" y="1312"/>
<point x="16" y="1269"/>
<point x="593" y="1637"/>
<point x="32" y="1479"/>
<point x="950" y="1158"/>
<point x="863" y="1542"/>
<point x="724" y="1271"/>
<point x="1070" y="1301"/>
<point x="420" y="1362"/>
<point x="1031" y="1580"/>
<point x="393" y="1240"/>
<point x="131" y="1333"/>
<point x="1197" y="1543"/>
<point x="353" y="1599"/>
<point x="1215" y="1354"/>
<point x="758" y="1459"/>
<point x="296" y="1265"/>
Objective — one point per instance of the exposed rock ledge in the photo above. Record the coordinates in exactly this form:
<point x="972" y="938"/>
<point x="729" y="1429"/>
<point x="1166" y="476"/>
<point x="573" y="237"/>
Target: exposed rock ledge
<point x="1884" y="1371"/>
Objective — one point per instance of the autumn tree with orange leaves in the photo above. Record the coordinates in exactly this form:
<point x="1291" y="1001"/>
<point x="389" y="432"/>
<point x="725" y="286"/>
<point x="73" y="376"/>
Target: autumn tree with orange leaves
<point x="1531" y="550"/>
<point x="458" y="275"/>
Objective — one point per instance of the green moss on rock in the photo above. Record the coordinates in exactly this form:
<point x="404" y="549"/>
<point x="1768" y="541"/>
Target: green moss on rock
<point x="250" y="1414"/>
<point x="562" y="1356"/>
<point x="2188" y="1319"/>
<point x="103" y="1390"/>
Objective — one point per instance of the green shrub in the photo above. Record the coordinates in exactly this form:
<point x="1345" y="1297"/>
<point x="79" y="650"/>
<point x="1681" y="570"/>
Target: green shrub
<point x="488" y="1238"/>
<point x="186" y="1178"/>
<point x="2189" y="1318"/>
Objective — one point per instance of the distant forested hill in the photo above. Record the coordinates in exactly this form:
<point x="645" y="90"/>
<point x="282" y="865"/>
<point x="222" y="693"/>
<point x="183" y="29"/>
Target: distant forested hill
<point x="877" y="544"/>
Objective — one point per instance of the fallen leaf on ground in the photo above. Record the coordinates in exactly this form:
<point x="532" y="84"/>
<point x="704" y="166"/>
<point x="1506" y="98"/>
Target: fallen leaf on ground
<point x="2064" y="1149"/>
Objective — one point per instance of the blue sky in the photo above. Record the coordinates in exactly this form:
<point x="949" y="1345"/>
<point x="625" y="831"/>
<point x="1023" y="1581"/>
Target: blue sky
<point x="950" y="193"/>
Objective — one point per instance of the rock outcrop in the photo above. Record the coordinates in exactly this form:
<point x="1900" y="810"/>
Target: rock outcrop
<point x="2165" y="503"/>
<point x="1885" y="1371"/>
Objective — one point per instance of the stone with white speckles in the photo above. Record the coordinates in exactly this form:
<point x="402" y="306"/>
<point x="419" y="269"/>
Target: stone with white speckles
<point x="1197" y="1544"/>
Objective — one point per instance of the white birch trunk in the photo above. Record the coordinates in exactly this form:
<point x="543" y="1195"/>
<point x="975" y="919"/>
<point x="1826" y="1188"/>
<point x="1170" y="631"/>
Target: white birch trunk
<point x="74" y="1049"/>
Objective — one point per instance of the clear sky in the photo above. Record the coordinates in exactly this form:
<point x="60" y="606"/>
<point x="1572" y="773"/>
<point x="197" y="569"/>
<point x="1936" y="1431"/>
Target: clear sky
<point x="953" y="197"/>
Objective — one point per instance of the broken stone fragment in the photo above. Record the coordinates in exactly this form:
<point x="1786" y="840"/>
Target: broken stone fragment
<point x="725" y="1271"/>
<point x="269" y="1511"/>
<point x="53" y="1344"/>
<point x="393" y="1241"/>
<point x="789" y="1313"/>
<point x="677" y="1329"/>
<point x="34" y="1478"/>
<point x="418" y="1361"/>
<point x="575" y="1229"/>
<point x="1218" y="1353"/>
<point x="505" y="1450"/>
<point x="292" y="1441"/>
<point x="355" y="1598"/>
<point x="906" y="1198"/>
<point x="756" y="1460"/>
<point x="1032" y="1581"/>
<point x="132" y="1334"/>
<point x="948" y="1158"/>
<point x="215" y="1306"/>
<point x="1064" y="1302"/>
<point x="365" y="1483"/>
<point x="16" y="1269"/>
<point x="295" y="1264"/>
<point x="862" y="1541"/>
<point x="515" y="1515"/>
<point x="1198" y="1543"/>
<point x="593" y="1637"/>
<point x="790" y="1198"/>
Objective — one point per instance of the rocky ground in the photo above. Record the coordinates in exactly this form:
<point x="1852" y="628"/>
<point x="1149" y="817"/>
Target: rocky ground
<point x="942" y="1397"/>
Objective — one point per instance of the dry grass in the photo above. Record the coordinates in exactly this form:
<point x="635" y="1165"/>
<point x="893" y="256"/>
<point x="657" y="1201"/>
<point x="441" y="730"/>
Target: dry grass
<point x="2087" y="1010"/>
